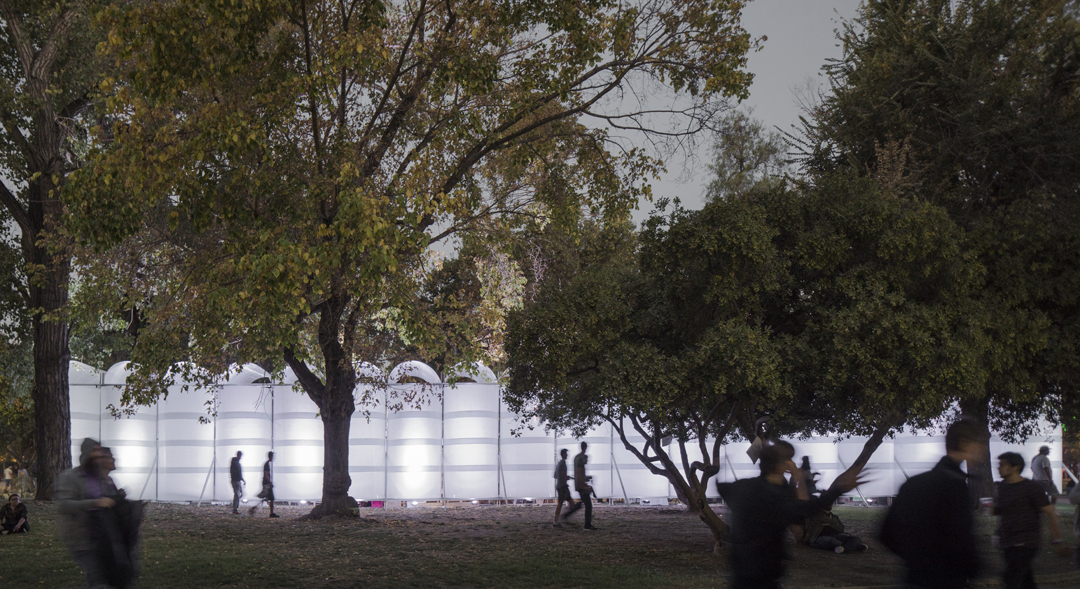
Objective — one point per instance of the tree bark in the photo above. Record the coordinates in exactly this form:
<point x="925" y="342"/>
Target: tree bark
<point x="980" y="472"/>
<point x="336" y="479"/>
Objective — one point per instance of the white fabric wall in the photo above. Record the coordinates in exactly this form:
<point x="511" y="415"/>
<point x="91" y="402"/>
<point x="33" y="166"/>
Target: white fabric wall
<point x="462" y="443"/>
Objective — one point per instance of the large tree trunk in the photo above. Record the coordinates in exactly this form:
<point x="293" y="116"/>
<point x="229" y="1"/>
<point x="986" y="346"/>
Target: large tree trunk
<point x="980" y="472"/>
<point x="49" y="269"/>
<point x="336" y="479"/>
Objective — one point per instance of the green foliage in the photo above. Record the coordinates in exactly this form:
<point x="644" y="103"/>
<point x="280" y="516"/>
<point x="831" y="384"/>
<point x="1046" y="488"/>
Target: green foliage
<point x="972" y="106"/>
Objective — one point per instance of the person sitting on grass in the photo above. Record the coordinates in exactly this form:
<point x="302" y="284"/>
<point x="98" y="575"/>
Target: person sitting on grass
<point x="13" y="516"/>
<point x="824" y="530"/>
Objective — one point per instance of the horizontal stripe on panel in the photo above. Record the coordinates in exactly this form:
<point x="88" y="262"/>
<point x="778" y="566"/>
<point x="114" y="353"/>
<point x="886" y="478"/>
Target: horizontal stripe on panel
<point x="243" y="415"/>
<point x="308" y="442"/>
<point x="190" y="415"/>
<point x="379" y="468"/>
<point x="264" y="442"/>
<point x="110" y="442"/>
<point x="297" y="415"/>
<point x="297" y="470"/>
<point x="478" y="441"/>
<point x="519" y="441"/>
<point x="416" y="415"/>
<point x="184" y="470"/>
<point x="471" y="468"/>
<point x="415" y="442"/>
<point x="132" y="470"/>
<point x="917" y="440"/>
<point x="366" y="441"/>
<point x="86" y="416"/>
<point x="194" y="443"/>
<point x="374" y="417"/>
<point x="527" y="467"/>
<point x="106" y="416"/>
<point x="477" y="413"/>
<point x="416" y="468"/>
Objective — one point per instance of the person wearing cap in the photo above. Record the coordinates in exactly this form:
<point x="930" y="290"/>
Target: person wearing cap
<point x="78" y="491"/>
<point x="13" y="517"/>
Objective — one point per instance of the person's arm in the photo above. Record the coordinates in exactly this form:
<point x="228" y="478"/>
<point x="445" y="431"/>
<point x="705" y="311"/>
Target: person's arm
<point x="69" y="500"/>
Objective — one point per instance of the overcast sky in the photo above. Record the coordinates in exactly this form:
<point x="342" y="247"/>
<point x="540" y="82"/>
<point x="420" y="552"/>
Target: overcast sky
<point x="800" y="38"/>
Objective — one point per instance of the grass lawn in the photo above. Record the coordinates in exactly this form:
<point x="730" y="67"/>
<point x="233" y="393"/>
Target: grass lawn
<point x="504" y="547"/>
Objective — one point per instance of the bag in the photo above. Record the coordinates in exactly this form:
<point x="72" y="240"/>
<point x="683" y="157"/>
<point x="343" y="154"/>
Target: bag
<point x="265" y="493"/>
<point x="117" y="532"/>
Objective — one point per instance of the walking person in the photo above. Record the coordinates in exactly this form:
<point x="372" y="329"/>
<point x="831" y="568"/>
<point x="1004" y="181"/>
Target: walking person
<point x="584" y="489"/>
<point x="267" y="493"/>
<point x="1043" y="474"/>
<point x="80" y="490"/>
<point x="562" y="488"/>
<point x="930" y="524"/>
<point x="236" y="477"/>
<point x="809" y="477"/>
<point x="763" y="507"/>
<point x="1019" y="503"/>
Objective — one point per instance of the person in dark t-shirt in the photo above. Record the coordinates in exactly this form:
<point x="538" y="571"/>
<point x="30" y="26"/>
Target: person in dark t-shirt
<point x="1019" y="502"/>
<point x="13" y="516"/>
<point x="562" y="487"/>
<point x="761" y="510"/>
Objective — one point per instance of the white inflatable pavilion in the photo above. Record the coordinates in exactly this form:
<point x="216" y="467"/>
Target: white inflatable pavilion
<point x="464" y="445"/>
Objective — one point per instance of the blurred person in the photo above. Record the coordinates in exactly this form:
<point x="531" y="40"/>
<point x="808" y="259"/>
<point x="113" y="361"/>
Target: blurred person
<point x="584" y="489"/>
<point x="809" y="476"/>
<point x="236" y="477"/>
<point x="930" y="524"/>
<point x="562" y="487"/>
<point x="24" y="485"/>
<point x="1019" y="502"/>
<point x="1074" y="498"/>
<point x="13" y="517"/>
<point x="9" y="475"/>
<point x="1043" y="474"/>
<point x="763" y="507"/>
<point x="267" y="493"/>
<point x="79" y="491"/>
<point x="825" y="531"/>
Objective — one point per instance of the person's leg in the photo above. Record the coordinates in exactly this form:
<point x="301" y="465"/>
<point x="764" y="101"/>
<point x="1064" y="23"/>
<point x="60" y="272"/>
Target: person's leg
<point x="852" y="543"/>
<point x="1018" y="573"/>
<point x="24" y="528"/>
<point x="586" y="498"/>
<point x="574" y="506"/>
<point x="91" y="567"/>
<point x="826" y="543"/>
<point x="236" y="497"/>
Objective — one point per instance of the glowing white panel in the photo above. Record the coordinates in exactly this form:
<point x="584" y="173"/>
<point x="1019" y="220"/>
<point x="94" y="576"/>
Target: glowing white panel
<point x="916" y="453"/>
<point x="414" y="441"/>
<point x="367" y="443"/>
<point x="636" y="477"/>
<point x="243" y="424"/>
<point x="879" y="469"/>
<point x="84" y="393"/>
<point x="529" y="454"/>
<point x="132" y="438"/>
<point x="471" y="440"/>
<point x="185" y="444"/>
<point x="414" y="369"/>
<point x="298" y="446"/>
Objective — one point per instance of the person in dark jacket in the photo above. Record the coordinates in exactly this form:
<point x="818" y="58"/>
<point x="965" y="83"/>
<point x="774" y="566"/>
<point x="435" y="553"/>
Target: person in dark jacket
<point x="236" y="477"/>
<point x="761" y="510"/>
<point x="13" y="516"/>
<point x="930" y="522"/>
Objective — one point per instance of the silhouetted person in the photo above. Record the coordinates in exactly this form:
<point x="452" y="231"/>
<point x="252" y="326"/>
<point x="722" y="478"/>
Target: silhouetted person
<point x="267" y="493"/>
<point x="584" y="489"/>
<point x="930" y="522"/>
<point x="236" y="477"/>
<point x="809" y="476"/>
<point x="13" y="517"/>
<point x="1019" y="503"/>
<point x="562" y="487"/>
<point x="761" y="510"/>
<point x="825" y="531"/>
<point x="1043" y="474"/>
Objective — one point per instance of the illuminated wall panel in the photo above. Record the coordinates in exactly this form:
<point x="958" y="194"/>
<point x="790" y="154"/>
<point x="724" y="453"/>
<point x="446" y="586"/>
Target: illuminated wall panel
<point x="367" y="446"/>
<point x="84" y="384"/>
<point x="298" y="447"/>
<point x="529" y="455"/>
<point x="185" y="444"/>
<point x="471" y="440"/>
<point x="132" y="438"/>
<point x="243" y="424"/>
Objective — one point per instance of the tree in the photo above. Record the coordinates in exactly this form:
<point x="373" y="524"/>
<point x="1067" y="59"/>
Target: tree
<point x="978" y="100"/>
<point x="304" y="153"/>
<point x="49" y="71"/>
